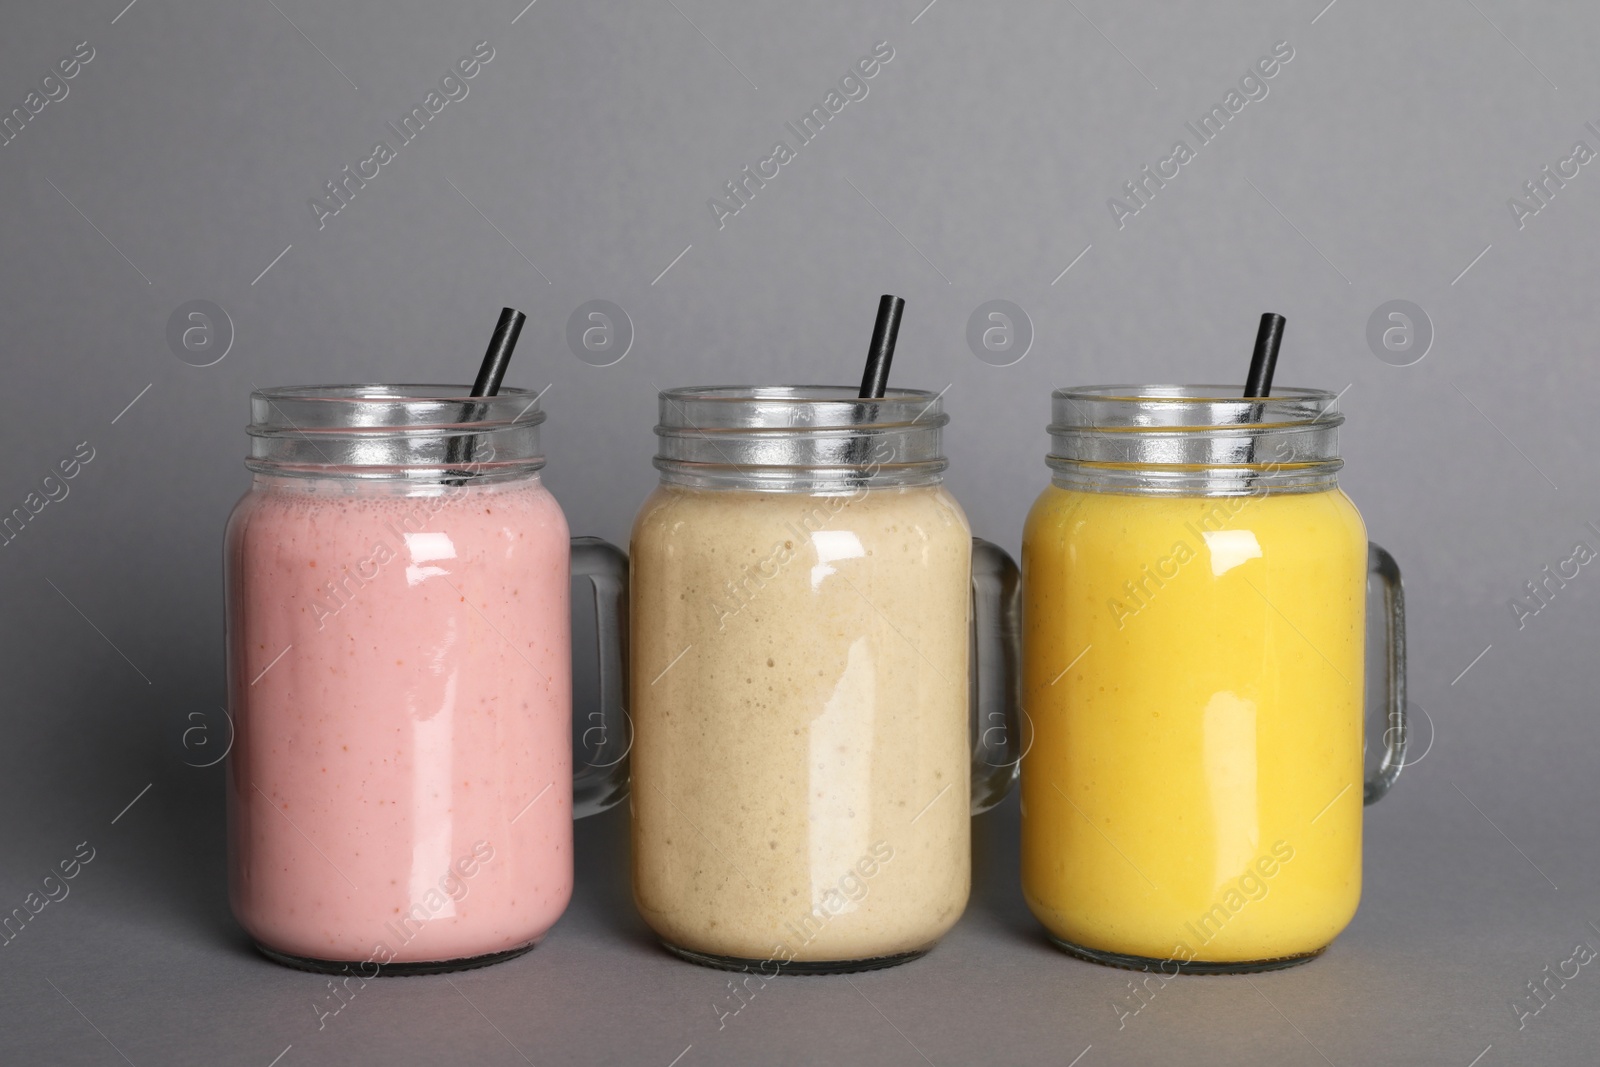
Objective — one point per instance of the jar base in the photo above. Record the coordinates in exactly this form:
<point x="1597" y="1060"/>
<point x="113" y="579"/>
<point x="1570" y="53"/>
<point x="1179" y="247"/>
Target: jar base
<point x="398" y="969"/>
<point x="1169" y="966"/>
<point x="811" y="967"/>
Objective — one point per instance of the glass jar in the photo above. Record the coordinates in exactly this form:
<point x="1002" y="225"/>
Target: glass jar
<point x="401" y="787"/>
<point x="1194" y="610"/>
<point x="809" y="740"/>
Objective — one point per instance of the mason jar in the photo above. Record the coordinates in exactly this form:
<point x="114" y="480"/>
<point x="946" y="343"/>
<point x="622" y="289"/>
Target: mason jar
<point x="401" y="787"/>
<point x="1194" y="606"/>
<point x="816" y="715"/>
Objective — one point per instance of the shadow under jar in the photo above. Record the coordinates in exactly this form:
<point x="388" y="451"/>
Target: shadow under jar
<point x="401" y="788"/>
<point x="810" y="743"/>
<point x="1194" y="610"/>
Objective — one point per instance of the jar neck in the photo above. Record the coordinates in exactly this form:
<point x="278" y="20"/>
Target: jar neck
<point x="799" y="439"/>
<point x="427" y="434"/>
<point x="1194" y="440"/>
<point x="336" y="487"/>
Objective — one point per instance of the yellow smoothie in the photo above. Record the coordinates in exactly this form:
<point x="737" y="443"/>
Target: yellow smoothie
<point x="1193" y="678"/>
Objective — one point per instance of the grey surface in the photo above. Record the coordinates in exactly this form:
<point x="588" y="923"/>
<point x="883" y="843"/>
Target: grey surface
<point x="981" y="160"/>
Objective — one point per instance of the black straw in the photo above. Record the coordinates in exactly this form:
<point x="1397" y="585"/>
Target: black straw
<point x="1265" y="358"/>
<point x="491" y="372"/>
<point x="501" y="345"/>
<point x="885" y="332"/>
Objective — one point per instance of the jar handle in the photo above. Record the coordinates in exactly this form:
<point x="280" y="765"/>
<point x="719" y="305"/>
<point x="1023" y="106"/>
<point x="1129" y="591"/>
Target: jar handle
<point x="995" y="656"/>
<point x="1382" y="566"/>
<point x="600" y="778"/>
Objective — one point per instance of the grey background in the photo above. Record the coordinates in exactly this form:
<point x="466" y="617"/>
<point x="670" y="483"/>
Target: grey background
<point x="981" y="162"/>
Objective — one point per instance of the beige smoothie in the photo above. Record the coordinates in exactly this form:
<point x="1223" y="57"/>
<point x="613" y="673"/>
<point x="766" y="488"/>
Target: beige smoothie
<point x="800" y="700"/>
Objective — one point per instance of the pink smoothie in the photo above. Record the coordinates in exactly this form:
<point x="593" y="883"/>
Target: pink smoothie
<point x="400" y="787"/>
